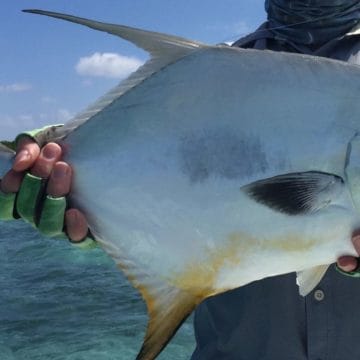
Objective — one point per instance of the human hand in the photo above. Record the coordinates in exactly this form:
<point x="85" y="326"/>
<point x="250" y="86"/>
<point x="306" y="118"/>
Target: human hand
<point x="350" y="263"/>
<point x="46" y="163"/>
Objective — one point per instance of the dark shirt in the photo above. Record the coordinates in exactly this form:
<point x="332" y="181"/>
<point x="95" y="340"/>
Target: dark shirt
<point x="268" y="319"/>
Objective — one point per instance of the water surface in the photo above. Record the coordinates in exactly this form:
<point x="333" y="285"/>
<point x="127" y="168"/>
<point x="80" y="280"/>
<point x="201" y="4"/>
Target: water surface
<point x="58" y="302"/>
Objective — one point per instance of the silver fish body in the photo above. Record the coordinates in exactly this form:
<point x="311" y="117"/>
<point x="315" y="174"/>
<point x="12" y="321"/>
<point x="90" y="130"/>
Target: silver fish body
<point x="213" y="167"/>
<point x="162" y="184"/>
<point x="186" y="141"/>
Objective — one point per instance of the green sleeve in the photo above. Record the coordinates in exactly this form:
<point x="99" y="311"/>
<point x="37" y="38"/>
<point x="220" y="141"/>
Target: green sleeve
<point x="38" y="135"/>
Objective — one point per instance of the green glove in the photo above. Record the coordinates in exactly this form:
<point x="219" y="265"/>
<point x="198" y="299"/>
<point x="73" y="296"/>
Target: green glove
<point x="51" y="222"/>
<point x="40" y="136"/>
<point x="30" y="204"/>
<point x="7" y="202"/>
<point x="28" y="198"/>
<point x="45" y="213"/>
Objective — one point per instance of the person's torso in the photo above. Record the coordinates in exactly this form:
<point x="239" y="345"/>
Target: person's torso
<point x="268" y="319"/>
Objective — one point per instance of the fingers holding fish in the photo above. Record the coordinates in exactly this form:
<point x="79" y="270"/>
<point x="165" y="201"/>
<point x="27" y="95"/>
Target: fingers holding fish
<point x="11" y="181"/>
<point x="350" y="263"/>
<point x="45" y="163"/>
<point x="76" y="225"/>
<point x="356" y="241"/>
<point x="59" y="185"/>
<point x="60" y="179"/>
<point x="347" y="263"/>
<point x="50" y="154"/>
<point x="28" y="152"/>
<point x="29" y="156"/>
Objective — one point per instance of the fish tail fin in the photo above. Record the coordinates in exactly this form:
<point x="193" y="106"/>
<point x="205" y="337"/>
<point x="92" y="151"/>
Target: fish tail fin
<point x="167" y="305"/>
<point x="166" y="314"/>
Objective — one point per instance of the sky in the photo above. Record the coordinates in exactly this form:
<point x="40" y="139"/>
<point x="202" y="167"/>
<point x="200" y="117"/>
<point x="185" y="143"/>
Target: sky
<point x="51" y="69"/>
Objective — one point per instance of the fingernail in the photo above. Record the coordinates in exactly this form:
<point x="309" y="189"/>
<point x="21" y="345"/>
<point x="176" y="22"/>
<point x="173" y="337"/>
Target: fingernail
<point x="50" y="152"/>
<point x="60" y="172"/>
<point x="23" y="155"/>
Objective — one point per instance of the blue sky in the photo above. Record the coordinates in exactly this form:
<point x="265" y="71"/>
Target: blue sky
<point x="52" y="69"/>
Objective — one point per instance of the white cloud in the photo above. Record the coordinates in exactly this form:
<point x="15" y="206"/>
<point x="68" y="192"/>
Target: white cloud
<point x="108" y="65"/>
<point x="15" y="87"/>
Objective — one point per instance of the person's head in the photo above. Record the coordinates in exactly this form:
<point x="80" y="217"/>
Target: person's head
<point x="312" y="22"/>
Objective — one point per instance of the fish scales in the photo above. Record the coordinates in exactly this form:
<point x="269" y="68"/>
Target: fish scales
<point x="211" y="160"/>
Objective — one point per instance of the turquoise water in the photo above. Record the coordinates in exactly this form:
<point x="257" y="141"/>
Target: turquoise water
<point x="58" y="302"/>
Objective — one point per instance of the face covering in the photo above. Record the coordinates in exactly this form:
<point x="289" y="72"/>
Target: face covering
<point x="311" y="22"/>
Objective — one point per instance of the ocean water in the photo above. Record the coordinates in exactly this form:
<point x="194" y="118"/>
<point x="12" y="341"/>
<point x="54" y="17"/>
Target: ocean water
<point x="58" y="302"/>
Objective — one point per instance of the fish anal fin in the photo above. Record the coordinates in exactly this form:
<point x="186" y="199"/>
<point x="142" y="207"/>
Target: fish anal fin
<point x="296" y="193"/>
<point x="308" y="279"/>
<point x="166" y="314"/>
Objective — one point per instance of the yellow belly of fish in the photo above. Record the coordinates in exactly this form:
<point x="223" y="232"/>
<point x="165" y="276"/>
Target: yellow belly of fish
<point x="203" y="278"/>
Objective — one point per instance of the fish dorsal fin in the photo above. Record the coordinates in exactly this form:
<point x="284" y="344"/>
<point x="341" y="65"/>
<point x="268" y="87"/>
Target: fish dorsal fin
<point x="157" y="44"/>
<point x="167" y="306"/>
<point x="297" y="193"/>
<point x="164" y="50"/>
<point x="308" y="279"/>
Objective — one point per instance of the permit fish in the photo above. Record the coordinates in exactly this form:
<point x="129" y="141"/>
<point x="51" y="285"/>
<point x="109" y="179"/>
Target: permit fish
<point x="211" y="167"/>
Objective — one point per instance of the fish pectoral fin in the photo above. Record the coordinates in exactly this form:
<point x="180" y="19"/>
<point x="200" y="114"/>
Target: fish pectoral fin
<point x="296" y="193"/>
<point x="308" y="279"/>
<point x="167" y="311"/>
